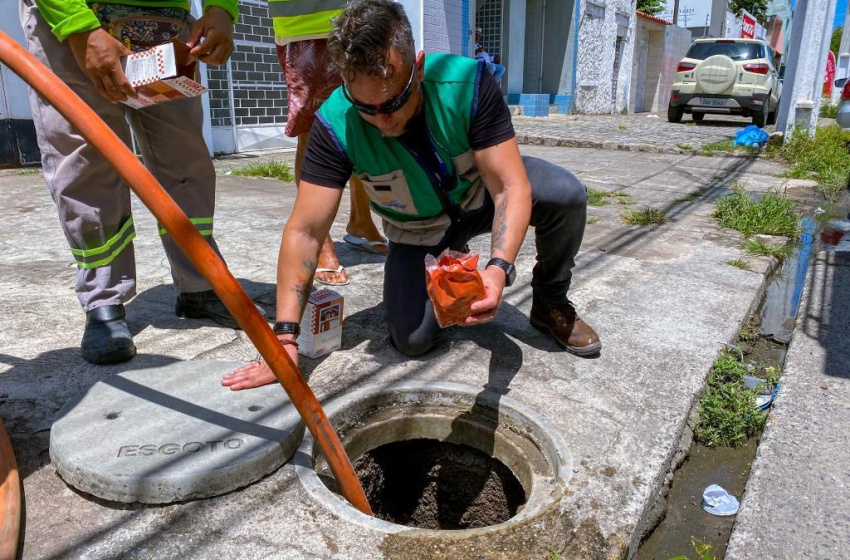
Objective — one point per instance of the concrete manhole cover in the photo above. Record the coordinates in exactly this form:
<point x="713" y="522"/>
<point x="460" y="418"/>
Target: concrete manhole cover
<point x="172" y="433"/>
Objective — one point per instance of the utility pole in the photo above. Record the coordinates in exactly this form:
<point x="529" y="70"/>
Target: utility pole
<point x="675" y="12"/>
<point x="804" y="72"/>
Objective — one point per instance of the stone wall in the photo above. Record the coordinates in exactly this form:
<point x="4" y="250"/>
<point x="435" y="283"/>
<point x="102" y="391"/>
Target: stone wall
<point x="606" y="41"/>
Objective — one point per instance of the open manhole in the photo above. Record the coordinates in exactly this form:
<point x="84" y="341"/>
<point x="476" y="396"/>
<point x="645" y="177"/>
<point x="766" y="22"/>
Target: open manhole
<point x="440" y="456"/>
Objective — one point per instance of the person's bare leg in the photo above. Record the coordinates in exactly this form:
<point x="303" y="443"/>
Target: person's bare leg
<point x="327" y="256"/>
<point x="360" y="222"/>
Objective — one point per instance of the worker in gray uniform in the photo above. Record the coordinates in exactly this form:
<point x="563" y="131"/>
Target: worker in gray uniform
<point x="83" y="45"/>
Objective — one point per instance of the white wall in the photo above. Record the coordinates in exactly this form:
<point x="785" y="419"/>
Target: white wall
<point x="14" y="103"/>
<point x="596" y="92"/>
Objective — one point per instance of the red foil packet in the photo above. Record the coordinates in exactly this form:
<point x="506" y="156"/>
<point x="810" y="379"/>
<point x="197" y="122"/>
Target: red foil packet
<point x="454" y="284"/>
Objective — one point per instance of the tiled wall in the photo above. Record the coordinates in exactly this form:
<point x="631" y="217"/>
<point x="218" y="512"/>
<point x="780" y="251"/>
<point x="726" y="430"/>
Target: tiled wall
<point x="258" y="88"/>
<point x="489" y="18"/>
<point x="444" y="26"/>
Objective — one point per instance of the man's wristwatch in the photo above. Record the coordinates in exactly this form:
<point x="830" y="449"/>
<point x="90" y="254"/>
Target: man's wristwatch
<point x="509" y="268"/>
<point x="285" y="327"/>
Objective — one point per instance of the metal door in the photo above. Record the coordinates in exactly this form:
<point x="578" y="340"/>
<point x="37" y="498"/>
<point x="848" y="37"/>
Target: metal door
<point x="642" y="59"/>
<point x="533" y="72"/>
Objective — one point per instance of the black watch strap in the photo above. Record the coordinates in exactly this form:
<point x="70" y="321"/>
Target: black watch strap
<point x="285" y="327"/>
<point x="510" y="270"/>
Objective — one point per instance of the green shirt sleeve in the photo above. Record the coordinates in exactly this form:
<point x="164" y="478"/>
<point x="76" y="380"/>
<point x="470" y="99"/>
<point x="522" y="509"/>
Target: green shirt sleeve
<point x="66" y="17"/>
<point x="232" y="7"/>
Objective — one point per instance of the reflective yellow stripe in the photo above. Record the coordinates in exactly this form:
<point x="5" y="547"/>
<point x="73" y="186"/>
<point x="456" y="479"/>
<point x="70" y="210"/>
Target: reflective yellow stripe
<point x="111" y="257"/>
<point x="318" y="23"/>
<point x="195" y="222"/>
<point x="106" y="246"/>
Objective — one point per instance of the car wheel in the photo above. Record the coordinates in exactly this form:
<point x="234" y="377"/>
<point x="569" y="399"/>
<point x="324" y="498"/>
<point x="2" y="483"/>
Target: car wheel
<point x="697" y="117"/>
<point x="760" y="118"/>
<point x="674" y="114"/>
<point x="771" y="117"/>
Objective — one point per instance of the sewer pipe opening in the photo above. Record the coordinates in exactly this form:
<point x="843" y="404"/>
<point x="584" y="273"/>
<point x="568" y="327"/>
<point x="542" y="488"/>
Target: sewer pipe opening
<point x="440" y="457"/>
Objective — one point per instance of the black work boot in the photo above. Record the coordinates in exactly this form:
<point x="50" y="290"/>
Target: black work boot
<point x="198" y="305"/>
<point x="107" y="340"/>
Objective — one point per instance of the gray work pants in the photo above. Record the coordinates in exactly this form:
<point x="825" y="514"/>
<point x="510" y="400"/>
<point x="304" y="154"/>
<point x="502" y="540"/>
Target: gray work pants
<point x="558" y="214"/>
<point x="93" y="201"/>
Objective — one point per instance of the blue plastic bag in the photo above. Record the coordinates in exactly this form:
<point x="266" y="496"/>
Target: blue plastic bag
<point x="751" y="136"/>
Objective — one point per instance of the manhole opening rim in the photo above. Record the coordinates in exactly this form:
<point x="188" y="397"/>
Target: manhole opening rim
<point x="304" y="458"/>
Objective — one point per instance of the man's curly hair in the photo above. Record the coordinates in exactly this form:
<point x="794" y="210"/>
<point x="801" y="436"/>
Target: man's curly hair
<point x="360" y="42"/>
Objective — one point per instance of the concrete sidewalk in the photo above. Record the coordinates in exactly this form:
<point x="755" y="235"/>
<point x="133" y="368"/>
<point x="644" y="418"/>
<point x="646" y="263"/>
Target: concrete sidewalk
<point x="796" y="502"/>
<point x="661" y="297"/>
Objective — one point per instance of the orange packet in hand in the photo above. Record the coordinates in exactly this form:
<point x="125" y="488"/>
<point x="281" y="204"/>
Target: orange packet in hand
<point x="453" y="284"/>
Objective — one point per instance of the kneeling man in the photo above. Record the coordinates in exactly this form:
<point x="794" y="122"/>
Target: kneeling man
<point x="432" y="140"/>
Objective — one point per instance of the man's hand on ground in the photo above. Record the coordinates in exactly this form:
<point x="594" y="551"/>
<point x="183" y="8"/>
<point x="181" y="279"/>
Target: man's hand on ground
<point x="255" y="374"/>
<point x="484" y="311"/>
<point x="216" y="30"/>
<point x="98" y="55"/>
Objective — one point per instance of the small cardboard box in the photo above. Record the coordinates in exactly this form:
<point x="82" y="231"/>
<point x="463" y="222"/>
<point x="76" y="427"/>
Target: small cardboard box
<point x="321" y="325"/>
<point x="163" y="73"/>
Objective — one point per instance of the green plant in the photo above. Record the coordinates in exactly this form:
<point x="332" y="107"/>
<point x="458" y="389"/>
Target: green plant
<point x="727" y="412"/>
<point x="592" y="220"/>
<point x="749" y="333"/>
<point x="651" y="7"/>
<point x="597" y="198"/>
<point x="690" y="123"/>
<point x="273" y="169"/>
<point x="760" y="248"/>
<point x="702" y="550"/>
<point x="684" y="146"/>
<point x="828" y="109"/>
<point x="738" y="263"/>
<point x="29" y="171"/>
<point x="772" y="214"/>
<point x="824" y="158"/>
<point x="726" y="146"/>
<point x="554" y="554"/>
<point x="644" y="217"/>
<point x="623" y="127"/>
<point x="685" y="198"/>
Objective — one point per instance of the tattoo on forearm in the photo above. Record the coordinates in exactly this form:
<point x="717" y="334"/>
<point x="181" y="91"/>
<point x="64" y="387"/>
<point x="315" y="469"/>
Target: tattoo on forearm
<point x="500" y="224"/>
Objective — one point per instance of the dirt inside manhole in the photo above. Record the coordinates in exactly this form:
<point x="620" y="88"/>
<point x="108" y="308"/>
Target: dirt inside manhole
<point x="436" y="485"/>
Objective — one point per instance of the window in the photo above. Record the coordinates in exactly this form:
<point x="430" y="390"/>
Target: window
<point x="735" y="51"/>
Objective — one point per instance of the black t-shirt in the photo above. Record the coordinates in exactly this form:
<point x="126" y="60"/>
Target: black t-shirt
<point x="327" y="165"/>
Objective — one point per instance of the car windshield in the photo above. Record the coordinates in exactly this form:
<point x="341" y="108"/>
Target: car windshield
<point x="735" y="51"/>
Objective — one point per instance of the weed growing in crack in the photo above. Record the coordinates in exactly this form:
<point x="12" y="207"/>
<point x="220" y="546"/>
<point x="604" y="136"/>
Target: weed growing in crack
<point x="823" y="158"/>
<point x="29" y="171"/>
<point x="686" y="198"/>
<point x="554" y="555"/>
<point x="597" y="198"/>
<point x="727" y="410"/>
<point x="762" y="249"/>
<point x="645" y="217"/>
<point x="274" y="169"/>
<point x="771" y="214"/>
<point x="592" y="220"/>
<point x="701" y="549"/>
<point x="738" y="263"/>
<point x="684" y="147"/>
<point x="749" y="333"/>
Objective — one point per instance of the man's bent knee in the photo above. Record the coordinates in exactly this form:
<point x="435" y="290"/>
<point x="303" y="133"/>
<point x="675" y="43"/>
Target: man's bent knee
<point x="412" y="345"/>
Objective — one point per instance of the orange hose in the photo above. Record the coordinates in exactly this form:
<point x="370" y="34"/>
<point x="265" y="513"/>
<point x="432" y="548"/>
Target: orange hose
<point x="10" y="499"/>
<point x="172" y="218"/>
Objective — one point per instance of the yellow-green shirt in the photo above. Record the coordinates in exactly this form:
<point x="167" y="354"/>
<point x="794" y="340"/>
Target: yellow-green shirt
<point x="67" y="17"/>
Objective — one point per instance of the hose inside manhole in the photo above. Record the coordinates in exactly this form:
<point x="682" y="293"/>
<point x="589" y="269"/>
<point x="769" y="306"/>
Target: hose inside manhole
<point x="202" y="256"/>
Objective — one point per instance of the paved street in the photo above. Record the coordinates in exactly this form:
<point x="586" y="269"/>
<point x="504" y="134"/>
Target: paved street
<point x="662" y="298"/>
<point x="643" y="131"/>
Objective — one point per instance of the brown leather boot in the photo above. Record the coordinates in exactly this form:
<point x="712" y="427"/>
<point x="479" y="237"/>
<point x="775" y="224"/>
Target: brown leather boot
<point x="566" y="327"/>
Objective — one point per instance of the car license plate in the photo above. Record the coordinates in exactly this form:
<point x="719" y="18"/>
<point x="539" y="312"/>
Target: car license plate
<point x="711" y="102"/>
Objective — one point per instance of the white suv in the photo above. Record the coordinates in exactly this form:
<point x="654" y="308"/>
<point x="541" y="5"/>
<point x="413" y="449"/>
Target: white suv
<point x="726" y="76"/>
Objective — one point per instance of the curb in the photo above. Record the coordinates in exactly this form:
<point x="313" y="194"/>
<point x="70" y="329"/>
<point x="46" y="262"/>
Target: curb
<point x="531" y="140"/>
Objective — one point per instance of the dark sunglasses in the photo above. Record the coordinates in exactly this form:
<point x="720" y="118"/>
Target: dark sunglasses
<point x="388" y="107"/>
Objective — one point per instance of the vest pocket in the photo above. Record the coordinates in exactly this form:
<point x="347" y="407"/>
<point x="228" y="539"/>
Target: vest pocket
<point x="465" y="166"/>
<point x="390" y="191"/>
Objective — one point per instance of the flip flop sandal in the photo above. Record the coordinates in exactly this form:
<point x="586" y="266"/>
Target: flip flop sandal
<point x="363" y="244"/>
<point x="338" y="270"/>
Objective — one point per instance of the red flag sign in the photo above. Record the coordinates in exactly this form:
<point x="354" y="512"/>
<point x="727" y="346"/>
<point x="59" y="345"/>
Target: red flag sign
<point x="829" y="77"/>
<point x="748" y="25"/>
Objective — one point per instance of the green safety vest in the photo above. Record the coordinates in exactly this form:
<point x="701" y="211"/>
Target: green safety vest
<point x="416" y="205"/>
<point x="301" y="20"/>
